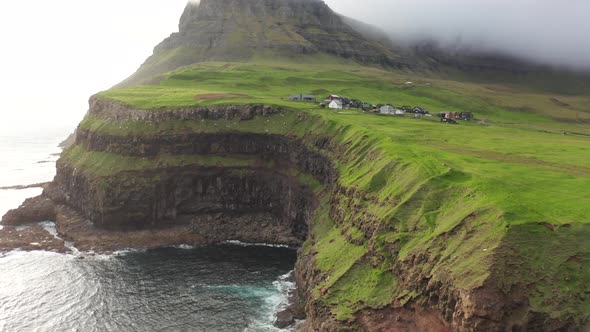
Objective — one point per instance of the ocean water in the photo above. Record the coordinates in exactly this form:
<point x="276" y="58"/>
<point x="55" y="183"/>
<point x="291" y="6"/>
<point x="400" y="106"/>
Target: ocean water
<point x="231" y="287"/>
<point x="220" y="288"/>
<point x="24" y="160"/>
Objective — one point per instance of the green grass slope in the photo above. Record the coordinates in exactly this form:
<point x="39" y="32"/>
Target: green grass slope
<point x="502" y="198"/>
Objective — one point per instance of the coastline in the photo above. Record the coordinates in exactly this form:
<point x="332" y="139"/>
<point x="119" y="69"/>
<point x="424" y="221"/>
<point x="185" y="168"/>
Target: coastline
<point x="240" y="275"/>
<point x="27" y="186"/>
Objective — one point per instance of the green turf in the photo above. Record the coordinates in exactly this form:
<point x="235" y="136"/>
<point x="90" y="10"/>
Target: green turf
<point x="273" y="83"/>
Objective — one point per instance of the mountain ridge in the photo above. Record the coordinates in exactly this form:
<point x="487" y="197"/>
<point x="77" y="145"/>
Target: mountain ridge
<point x="304" y="31"/>
<point x="237" y="30"/>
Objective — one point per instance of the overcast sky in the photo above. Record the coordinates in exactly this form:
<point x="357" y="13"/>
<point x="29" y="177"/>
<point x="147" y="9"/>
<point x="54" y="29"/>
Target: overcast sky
<point x="55" y="54"/>
<point x="555" y="32"/>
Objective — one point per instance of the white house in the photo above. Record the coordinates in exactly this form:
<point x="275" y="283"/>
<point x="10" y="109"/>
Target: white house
<point x="335" y="104"/>
<point x="387" y="109"/>
<point x="400" y="112"/>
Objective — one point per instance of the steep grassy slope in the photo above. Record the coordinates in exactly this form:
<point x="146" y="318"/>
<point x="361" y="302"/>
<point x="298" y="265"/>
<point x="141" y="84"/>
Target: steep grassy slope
<point x="418" y="205"/>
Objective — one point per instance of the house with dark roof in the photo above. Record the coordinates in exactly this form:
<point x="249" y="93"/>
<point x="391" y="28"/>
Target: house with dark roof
<point x="302" y="97"/>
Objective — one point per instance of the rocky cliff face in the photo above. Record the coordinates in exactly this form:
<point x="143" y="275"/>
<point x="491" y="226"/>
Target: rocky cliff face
<point x="163" y="196"/>
<point x="259" y="199"/>
<point x="302" y="12"/>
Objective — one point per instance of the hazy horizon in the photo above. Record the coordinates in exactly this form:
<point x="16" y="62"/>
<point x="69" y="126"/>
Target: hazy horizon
<point x="542" y="31"/>
<point x="58" y="53"/>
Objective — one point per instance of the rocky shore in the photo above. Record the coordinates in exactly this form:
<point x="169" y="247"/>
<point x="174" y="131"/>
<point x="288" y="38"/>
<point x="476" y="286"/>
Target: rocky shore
<point x="29" y="237"/>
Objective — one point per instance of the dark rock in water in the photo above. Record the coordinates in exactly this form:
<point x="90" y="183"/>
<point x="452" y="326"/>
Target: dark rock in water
<point x="284" y="319"/>
<point x="294" y="311"/>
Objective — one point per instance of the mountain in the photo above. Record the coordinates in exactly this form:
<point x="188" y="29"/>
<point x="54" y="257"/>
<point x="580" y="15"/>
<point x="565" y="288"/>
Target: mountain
<point x="473" y="65"/>
<point x="308" y="30"/>
<point x="235" y="30"/>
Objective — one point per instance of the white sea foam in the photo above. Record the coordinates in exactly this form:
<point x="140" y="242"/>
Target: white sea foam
<point x="184" y="247"/>
<point x="91" y="254"/>
<point x="50" y="227"/>
<point x="274" y="303"/>
<point x="127" y="251"/>
<point x="247" y="244"/>
<point x="19" y="254"/>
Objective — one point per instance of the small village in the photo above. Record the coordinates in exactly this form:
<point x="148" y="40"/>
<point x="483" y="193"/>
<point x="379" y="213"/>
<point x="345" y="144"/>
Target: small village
<point x="336" y="103"/>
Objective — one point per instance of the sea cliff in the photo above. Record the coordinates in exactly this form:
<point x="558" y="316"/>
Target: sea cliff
<point x="387" y="241"/>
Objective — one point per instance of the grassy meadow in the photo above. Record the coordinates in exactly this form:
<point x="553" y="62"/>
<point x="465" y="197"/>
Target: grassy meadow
<point x="272" y="83"/>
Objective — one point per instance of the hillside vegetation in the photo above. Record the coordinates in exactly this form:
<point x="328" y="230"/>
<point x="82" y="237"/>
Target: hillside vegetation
<point x="270" y="83"/>
<point x="504" y="196"/>
<point x="511" y="149"/>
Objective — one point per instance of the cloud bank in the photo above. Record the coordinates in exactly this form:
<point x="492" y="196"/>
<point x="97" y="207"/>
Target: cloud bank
<point x="544" y="31"/>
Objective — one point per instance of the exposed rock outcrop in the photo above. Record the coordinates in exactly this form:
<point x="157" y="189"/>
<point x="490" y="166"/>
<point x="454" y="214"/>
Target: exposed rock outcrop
<point x="29" y="237"/>
<point x="115" y="111"/>
<point x="257" y="203"/>
<point x="33" y="210"/>
<point x="160" y="198"/>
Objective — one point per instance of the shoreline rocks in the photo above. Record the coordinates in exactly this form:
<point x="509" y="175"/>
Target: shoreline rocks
<point x="28" y="186"/>
<point x="29" y="238"/>
<point x="33" y="210"/>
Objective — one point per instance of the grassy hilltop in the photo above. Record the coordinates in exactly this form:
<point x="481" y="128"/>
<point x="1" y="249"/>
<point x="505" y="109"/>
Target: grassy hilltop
<point x="519" y="183"/>
<point x="268" y="82"/>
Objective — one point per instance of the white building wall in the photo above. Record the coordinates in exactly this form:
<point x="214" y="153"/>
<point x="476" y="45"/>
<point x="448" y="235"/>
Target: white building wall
<point x="335" y="105"/>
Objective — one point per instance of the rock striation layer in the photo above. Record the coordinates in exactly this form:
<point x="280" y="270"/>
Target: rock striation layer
<point x="260" y="201"/>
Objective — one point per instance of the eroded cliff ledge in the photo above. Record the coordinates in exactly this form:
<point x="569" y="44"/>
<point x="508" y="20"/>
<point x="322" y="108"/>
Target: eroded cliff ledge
<point x="386" y="243"/>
